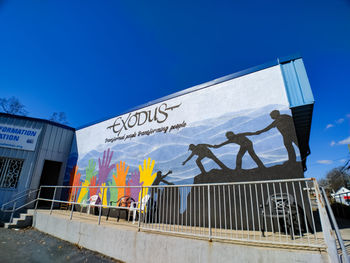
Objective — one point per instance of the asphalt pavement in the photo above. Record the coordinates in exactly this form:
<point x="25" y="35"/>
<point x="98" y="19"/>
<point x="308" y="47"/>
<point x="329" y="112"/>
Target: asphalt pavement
<point x="29" y="245"/>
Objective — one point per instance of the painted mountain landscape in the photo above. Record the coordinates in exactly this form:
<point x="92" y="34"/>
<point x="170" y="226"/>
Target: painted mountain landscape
<point x="171" y="149"/>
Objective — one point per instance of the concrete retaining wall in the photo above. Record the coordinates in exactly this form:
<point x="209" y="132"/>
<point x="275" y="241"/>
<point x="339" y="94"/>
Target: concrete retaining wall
<point x="131" y="246"/>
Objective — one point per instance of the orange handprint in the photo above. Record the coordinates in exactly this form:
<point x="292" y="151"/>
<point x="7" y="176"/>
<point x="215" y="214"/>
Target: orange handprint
<point x="120" y="178"/>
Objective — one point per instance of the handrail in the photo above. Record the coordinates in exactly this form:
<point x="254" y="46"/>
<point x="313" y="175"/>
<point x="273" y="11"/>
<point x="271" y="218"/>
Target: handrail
<point x="335" y="225"/>
<point x="15" y="196"/>
<point x="187" y="185"/>
<point x="18" y="208"/>
<point x="18" y="198"/>
<point x="21" y="193"/>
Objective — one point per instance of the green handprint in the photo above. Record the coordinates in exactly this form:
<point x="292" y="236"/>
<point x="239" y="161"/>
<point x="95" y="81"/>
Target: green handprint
<point x="113" y="192"/>
<point x="90" y="170"/>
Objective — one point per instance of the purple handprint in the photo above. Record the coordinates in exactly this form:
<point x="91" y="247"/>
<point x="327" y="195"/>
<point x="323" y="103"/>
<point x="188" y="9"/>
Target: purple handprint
<point x="134" y="181"/>
<point x="103" y="167"/>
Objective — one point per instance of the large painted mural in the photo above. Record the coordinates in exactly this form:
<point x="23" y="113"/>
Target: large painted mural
<point x="238" y="130"/>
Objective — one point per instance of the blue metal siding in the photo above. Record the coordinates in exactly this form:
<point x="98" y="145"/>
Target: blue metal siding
<point x="54" y="143"/>
<point x="296" y="83"/>
<point x="29" y="157"/>
<point x="55" y="146"/>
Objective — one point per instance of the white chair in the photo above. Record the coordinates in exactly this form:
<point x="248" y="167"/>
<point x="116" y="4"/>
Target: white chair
<point x="93" y="200"/>
<point x="134" y="207"/>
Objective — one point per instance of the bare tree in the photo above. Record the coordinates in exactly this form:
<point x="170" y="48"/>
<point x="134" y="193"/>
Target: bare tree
<point x="12" y="106"/>
<point x="59" y="117"/>
<point x="335" y="179"/>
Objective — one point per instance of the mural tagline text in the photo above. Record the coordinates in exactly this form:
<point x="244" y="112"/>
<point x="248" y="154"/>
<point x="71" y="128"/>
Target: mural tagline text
<point x="163" y="129"/>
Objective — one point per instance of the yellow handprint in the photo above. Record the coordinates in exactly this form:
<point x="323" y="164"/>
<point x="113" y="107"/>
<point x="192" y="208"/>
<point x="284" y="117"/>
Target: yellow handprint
<point x="146" y="175"/>
<point x="120" y="178"/>
<point x="104" y="197"/>
<point x="83" y="191"/>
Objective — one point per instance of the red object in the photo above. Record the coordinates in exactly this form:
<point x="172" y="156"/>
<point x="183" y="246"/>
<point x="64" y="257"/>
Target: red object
<point x="93" y="191"/>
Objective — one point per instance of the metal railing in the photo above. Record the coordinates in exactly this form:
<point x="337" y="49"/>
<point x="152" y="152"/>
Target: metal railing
<point x="343" y="256"/>
<point x="28" y="193"/>
<point x="283" y="212"/>
<point x="22" y="199"/>
<point x="277" y="212"/>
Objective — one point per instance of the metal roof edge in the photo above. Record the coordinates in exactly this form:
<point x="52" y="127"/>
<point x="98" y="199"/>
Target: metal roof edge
<point x="287" y="59"/>
<point x="238" y="74"/>
<point x="36" y="119"/>
<point x="296" y="83"/>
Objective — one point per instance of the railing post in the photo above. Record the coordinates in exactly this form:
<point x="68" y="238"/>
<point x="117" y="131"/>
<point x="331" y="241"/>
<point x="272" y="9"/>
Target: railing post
<point x="100" y="208"/>
<point x="37" y="199"/>
<point x="139" y="222"/>
<point x="326" y="226"/>
<point x="13" y="211"/>
<point x="53" y="198"/>
<point x="209" y="221"/>
<point x="74" y="196"/>
<point x="36" y="206"/>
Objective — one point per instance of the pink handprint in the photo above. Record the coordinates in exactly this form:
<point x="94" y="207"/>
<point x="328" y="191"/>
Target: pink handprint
<point x="104" y="167"/>
<point x="134" y="181"/>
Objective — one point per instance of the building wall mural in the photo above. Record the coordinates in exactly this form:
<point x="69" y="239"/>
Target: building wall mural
<point x="237" y="130"/>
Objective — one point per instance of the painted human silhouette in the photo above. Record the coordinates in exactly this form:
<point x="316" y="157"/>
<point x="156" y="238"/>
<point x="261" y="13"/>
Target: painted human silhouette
<point x="154" y="191"/>
<point x="202" y="151"/>
<point x="245" y="146"/>
<point x="284" y="124"/>
<point x="160" y="178"/>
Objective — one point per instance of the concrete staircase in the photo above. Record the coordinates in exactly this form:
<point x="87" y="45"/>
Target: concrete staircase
<point x="24" y="220"/>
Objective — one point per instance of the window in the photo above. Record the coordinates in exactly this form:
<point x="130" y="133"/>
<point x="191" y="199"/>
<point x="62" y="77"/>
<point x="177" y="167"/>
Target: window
<point x="10" y="169"/>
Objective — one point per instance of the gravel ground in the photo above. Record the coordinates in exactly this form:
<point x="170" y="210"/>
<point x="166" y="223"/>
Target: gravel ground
<point x="30" y="245"/>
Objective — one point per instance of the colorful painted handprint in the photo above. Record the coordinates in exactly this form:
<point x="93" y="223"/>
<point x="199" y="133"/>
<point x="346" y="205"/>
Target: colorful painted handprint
<point x="104" y="167"/>
<point x="120" y="178"/>
<point x="134" y="181"/>
<point x="146" y="175"/>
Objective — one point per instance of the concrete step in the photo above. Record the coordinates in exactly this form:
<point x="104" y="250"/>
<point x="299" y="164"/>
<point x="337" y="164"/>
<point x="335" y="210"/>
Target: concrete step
<point x="30" y="211"/>
<point x="23" y="221"/>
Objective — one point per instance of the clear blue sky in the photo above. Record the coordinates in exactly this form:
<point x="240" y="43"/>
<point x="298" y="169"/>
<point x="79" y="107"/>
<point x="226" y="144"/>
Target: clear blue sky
<point x="95" y="59"/>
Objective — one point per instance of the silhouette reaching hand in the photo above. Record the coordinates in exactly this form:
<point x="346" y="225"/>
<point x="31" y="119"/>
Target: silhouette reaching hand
<point x="285" y="125"/>
<point x="161" y="178"/>
<point x="245" y="146"/>
<point x="202" y="151"/>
